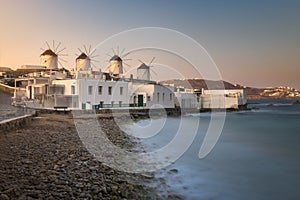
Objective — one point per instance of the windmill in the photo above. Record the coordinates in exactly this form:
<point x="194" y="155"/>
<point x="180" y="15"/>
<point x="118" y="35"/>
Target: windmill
<point x="85" y="60"/>
<point x="51" y="56"/>
<point x="143" y="71"/>
<point x="116" y="62"/>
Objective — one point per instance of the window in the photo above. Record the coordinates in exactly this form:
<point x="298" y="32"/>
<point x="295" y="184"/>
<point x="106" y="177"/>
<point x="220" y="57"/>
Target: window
<point x="101" y="104"/>
<point x="171" y="96"/>
<point x="121" y="90"/>
<point x="90" y="90"/>
<point x="72" y="89"/>
<point x="112" y="104"/>
<point x="163" y="97"/>
<point x="158" y="97"/>
<point x="120" y="103"/>
<point x="99" y="90"/>
<point x="109" y="90"/>
<point x="148" y="98"/>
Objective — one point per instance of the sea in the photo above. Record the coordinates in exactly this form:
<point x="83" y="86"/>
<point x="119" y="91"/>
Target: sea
<point x="256" y="157"/>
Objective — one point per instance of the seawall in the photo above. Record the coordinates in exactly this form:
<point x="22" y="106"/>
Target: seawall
<point x="135" y="112"/>
<point x="15" y="123"/>
<point x="6" y="88"/>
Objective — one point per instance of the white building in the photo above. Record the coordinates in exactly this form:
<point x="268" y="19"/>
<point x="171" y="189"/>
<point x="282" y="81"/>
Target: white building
<point x="186" y="98"/>
<point x="92" y="93"/>
<point x="231" y="98"/>
<point x="36" y="85"/>
<point x="149" y="94"/>
<point x="95" y="90"/>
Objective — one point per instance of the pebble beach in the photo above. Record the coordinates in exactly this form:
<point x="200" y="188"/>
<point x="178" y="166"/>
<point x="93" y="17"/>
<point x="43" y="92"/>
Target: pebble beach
<point x="45" y="159"/>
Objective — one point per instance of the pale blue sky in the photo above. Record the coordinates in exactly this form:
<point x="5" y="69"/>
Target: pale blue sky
<point x="253" y="43"/>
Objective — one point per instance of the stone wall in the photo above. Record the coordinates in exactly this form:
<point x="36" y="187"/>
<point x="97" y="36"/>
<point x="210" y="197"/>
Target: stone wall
<point x="6" y="88"/>
<point x="15" y="123"/>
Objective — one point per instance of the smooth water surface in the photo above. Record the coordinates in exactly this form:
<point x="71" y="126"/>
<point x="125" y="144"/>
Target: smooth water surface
<point x="256" y="157"/>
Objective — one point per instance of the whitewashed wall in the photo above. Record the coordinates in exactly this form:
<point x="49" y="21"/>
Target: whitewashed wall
<point x="95" y="98"/>
<point x="151" y="93"/>
<point x="223" y="98"/>
<point x="187" y="100"/>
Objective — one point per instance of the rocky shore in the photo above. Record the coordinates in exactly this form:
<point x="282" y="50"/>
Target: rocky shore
<point x="46" y="160"/>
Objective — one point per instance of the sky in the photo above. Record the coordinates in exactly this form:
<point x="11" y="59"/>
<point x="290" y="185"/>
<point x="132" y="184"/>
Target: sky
<point x="253" y="43"/>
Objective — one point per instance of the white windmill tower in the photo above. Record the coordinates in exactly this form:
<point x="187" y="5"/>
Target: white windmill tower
<point x="49" y="57"/>
<point x="116" y="63"/>
<point x="85" y="60"/>
<point x="143" y="71"/>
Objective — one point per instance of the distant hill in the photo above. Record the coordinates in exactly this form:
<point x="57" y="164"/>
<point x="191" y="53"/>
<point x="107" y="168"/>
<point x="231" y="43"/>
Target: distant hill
<point x="282" y="92"/>
<point x="201" y="83"/>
